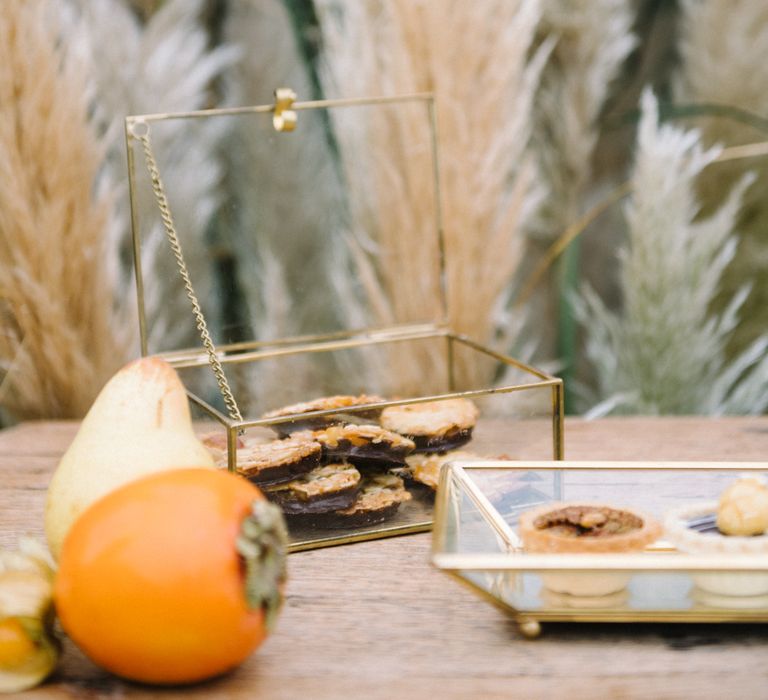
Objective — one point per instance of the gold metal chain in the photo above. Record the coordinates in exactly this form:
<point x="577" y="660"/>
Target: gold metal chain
<point x="173" y="239"/>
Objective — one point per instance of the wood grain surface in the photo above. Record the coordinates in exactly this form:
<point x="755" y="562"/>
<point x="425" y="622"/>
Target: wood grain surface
<point x="373" y="620"/>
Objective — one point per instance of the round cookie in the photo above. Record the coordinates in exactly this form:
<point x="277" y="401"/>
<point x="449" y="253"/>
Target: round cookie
<point x="323" y="489"/>
<point x="434" y="426"/>
<point x="325" y="403"/>
<point x="379" y="499"/>
<point x="365" y="446"/>
<point x="278" y="460"/>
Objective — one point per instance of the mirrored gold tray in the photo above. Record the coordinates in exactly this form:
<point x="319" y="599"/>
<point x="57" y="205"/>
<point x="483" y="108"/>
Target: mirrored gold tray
<point x="475" y="540"/>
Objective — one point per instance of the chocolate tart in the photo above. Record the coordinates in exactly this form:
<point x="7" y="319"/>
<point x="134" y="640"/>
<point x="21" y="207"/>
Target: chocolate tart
<point x="364" y="445"/>
<point x="379" y="499"/>
<point x="325" y="403"/>
<point x="323" y="489"/>
<point x="586" y="528"/>
<point x="435" y="426"/>
<point x="278" y="461"/>
<point x="691" y="529"/>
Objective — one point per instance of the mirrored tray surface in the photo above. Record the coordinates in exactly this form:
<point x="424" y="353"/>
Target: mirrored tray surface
<point x="476" y="539"/>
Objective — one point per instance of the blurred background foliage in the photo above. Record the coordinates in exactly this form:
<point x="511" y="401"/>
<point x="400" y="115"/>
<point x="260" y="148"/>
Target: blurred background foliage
<point x="603" y="166"/>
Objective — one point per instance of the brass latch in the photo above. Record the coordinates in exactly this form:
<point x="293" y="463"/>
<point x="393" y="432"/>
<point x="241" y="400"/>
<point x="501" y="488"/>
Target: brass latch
<point x="284" y="118"/>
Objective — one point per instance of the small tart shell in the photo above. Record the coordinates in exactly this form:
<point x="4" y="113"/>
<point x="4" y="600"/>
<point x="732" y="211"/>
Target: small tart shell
<point x="691" y="541"/>
<point x="545" y="541"/>
<point x="733" y="584"/>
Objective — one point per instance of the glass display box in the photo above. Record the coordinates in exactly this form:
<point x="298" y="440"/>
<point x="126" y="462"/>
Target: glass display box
<point x="322" y="274"/>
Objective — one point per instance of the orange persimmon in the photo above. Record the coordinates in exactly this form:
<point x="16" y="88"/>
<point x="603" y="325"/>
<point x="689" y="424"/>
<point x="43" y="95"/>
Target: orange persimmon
<point x="172" y="578"/>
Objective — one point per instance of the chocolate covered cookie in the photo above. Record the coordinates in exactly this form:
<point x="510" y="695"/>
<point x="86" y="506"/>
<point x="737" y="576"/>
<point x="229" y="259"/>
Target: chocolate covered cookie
<point x="365" y="446"/>
<point x="379" y="499"/>
<point x="278" y="460"/>
<point x="323" y="489"/>
<point x="434" y="426"/>
<point x="325" y="403"/>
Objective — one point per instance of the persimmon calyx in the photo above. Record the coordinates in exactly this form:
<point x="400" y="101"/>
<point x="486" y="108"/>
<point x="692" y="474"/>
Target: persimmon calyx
<point x="262" y="544"/>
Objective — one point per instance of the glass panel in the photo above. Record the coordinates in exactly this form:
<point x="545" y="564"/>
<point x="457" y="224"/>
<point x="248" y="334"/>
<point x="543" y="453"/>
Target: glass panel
<point x="332" y="227"/>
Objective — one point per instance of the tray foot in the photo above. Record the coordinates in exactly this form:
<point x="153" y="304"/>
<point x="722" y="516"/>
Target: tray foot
<point x="529" y="628"/>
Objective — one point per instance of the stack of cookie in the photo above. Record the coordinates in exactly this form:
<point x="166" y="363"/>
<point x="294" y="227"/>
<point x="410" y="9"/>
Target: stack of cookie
<point x="342" y="470"/>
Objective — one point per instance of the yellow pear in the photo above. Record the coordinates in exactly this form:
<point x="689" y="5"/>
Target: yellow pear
<point x="139" y="424"/>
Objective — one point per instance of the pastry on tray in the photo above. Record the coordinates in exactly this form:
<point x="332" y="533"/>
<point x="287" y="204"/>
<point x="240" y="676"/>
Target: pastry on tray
<point x="424" y="468"/>
<point x="379" y="499"/>
<point x="736" y="524"/>
<point x="364" y="445"/>
<point x="594" y="528"/>
<point x="278" y="461"/>
<point x="325" y="403"/>
<point x="435" y="426"/>
<point x="323" y="489"/>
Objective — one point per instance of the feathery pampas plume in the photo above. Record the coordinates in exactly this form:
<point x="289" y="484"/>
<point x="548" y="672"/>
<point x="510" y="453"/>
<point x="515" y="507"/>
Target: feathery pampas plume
<point x="475" y="58"/>
<point x="722" y="49"/>
<point x="57" y="345"/>
<point x="593" y="40"/>
<point x="162" y="66"/>
<point x="665" y="353"/>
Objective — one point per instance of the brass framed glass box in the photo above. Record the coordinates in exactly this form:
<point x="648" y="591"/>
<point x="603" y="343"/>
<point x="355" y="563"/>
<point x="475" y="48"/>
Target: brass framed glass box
<point x="477" y="539"/>
<point x="331" y="220"/>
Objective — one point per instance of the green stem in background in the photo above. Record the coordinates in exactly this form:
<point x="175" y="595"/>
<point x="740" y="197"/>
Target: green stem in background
<point x="670" y="111"/>
<point x="568" y="278"/>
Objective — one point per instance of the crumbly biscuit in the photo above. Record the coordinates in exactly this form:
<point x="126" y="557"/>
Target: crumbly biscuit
<point x="325" y="403"/>
<point x="435" y="426"/>
<point x="278" y="460"/>
<point x="364" y="445"/>
<point x="379" y="499"/>
<point x="326" y="488"/>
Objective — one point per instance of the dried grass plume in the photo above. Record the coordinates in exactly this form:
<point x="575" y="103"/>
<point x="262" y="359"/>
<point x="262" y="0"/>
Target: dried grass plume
<point x="665" y="352"/>
<point x="57" y="344"/>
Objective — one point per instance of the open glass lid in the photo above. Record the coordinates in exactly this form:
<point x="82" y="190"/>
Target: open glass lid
<point x="308" y="220"/>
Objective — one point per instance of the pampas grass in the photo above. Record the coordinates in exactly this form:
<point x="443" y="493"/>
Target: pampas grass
<point x="57" y="344"/>
<point x="665" y="353"/>
<point x="164" y="65"/>
<point x="722" y="49"/>
<point x="475" y="58"/>
<point x="592" y="41"/>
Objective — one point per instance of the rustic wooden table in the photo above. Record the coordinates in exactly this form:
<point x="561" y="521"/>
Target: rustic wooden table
<point x="373" y="620"/>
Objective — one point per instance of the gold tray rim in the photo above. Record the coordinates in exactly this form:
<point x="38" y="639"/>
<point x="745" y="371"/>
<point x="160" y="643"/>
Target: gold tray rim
<point x="668" y="560"/>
